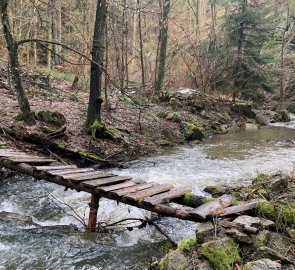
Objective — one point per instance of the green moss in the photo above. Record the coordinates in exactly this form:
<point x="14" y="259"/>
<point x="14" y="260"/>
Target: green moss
<point x="191" y="132"/>
<point x="236" y="201"/>
<point x="263" y="192"/>
<point x="174" y="260"/>
<point x="261" y="179"/>
<point x="54" y="118"/>
<point x="89" y="155"/>
<point x="287" y="213"/>
<point x="281" y="212"/>
<point x="214" y="189"/>
<point x="267" y="209"/>
<point x="187" y="245"/>
<point x="248" y="266"/>
<point x="163" y="263"/>
<point x="261" y="239"/>
<point x="163" y="143"/>
<point x="99" y="130"/>
<point x="166" y="246"/>
<point x="19" y="117"/>
<point x="222" y="253"/>
<point x="187" y="198"/>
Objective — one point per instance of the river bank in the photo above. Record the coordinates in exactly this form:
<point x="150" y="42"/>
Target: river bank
<point x="230" y="159"/>
<point x="139" y="127"/>
<point x="259" y="238"/>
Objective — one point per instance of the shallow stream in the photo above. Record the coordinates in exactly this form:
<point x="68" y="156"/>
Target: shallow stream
<point x="227" y="159"/>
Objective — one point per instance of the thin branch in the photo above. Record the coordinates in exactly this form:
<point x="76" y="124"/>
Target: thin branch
<point x="107" y="76"/>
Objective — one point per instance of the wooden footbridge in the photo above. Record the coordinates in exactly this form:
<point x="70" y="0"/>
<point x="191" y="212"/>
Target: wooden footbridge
<point x="164" y="199"/>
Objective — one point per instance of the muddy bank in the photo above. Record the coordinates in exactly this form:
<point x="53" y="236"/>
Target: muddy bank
<point x="259" y="238"/>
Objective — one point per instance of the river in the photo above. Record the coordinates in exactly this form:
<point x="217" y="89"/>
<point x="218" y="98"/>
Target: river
<point x="226" y="159"/>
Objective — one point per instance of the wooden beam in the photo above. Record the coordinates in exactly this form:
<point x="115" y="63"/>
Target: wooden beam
<point x="94" y="204"/>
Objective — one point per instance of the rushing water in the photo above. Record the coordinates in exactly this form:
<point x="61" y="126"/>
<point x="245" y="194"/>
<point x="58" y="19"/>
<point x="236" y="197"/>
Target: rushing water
<point x="230" y="159"/>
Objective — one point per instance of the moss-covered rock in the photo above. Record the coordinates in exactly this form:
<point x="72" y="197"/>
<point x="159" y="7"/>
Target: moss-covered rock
<point x="191" y="132"/>
<point x="261" y="238"/>
<point x="192" y="200"/>
<point x="187" y="245"/>
<point x="163" y="143"/>
<point x="286" y="212"/>
<point x="174" y="116"/>
<point x="175" y="260"/>
<point x="267" y="209"/>
<point x="278" y="212"/>
<point x="214" y="189"/>
<point x="53" y="118"/>
<point x="222" y="253"/>
<point x="204" y="231"/>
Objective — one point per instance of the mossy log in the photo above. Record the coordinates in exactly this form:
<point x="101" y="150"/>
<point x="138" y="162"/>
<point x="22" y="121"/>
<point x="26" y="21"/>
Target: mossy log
<point x="46" y="144"/>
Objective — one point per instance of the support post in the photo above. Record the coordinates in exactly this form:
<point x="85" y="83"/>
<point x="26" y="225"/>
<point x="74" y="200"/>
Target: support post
<point x="94" y="204"/>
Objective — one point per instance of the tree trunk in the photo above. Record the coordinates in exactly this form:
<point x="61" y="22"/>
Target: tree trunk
<point x="141" y="45"/>
<point x="163" y="46"/>
<point x="95" y="100"/>
<point x="14" y="65"/>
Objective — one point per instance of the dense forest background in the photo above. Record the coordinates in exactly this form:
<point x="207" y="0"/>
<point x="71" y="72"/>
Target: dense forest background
<point x="227" y="47"/>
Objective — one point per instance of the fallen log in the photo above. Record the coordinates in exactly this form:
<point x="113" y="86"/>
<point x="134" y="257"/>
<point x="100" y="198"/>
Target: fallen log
<point x="60" y="149"/>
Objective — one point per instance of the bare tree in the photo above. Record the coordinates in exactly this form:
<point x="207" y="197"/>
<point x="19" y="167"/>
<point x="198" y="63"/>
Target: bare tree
<point x="95" y="98"/>
<point x="14" y="65"/>
<point x="163" y="38"/>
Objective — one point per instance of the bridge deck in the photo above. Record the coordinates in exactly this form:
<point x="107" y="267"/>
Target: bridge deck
<point x="152" y="196"/>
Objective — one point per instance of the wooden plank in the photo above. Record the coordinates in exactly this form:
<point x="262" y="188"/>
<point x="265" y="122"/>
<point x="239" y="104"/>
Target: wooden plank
<point x="167" y="196"/>
<point x="140" y="195"/>
<point x="100" y="182"/>
<point x="214" y="208"/>
<point x="16" y="155"/>
<point x="31" y="160"/>
<point x="117" y="186"/>
<point x="4" y="150"/>
<point x="64" y="172"/>
<point x="87" y="176"/>
<point x="123" y="191"/>
<point x="50" y="168"/>
<point x="12" y="153"/>
<point x="240" y="208"/>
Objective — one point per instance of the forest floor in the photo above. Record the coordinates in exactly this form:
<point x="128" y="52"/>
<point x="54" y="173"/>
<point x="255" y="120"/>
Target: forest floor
<point x="184" y="115"/>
